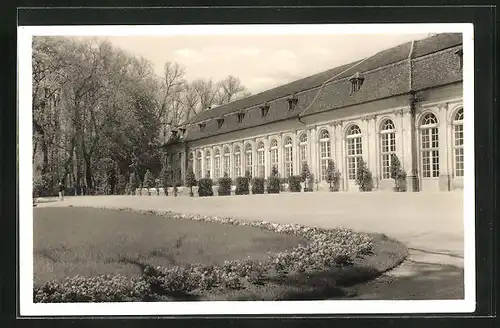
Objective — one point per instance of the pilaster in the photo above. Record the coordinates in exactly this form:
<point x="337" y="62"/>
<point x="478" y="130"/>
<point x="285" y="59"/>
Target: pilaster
<point x="444" y="167"/>
<point x="313" y="142"/>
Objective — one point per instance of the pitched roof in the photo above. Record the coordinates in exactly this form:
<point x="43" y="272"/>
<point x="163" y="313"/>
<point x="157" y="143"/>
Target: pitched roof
<point x="385" y="74"/>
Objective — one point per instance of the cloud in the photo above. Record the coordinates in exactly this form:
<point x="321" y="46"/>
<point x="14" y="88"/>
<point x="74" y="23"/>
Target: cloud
<point x="249" y="51"/>
<point x="188" y="54"/>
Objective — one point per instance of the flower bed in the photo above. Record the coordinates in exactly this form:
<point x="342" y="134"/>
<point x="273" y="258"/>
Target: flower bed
<point x="327" y="249"/>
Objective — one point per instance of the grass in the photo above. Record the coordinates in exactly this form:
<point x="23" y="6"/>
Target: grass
<point x="89" y="242"/>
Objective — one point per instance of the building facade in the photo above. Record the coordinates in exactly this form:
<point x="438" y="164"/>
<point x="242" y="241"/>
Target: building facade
<point x="407" y="101"/>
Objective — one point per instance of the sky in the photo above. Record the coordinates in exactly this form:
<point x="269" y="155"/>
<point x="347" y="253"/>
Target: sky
<point x="259" y="61"/>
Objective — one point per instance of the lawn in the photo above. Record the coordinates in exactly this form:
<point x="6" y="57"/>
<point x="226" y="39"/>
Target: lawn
<point x="82" y="241"/>
<point x="84" y="244"/>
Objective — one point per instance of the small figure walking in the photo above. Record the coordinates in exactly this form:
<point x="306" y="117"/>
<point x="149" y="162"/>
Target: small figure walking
<point x="61" y="191"/>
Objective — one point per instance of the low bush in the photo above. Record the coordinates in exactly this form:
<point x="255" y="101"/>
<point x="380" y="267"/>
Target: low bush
<point x="225" y="185"/>
<point x="273" y="185"/>
<point x="205" y="187"/>
<point x="257" y="186"/>
<point x="294" y="183"/>
<point x="242" y="186"/>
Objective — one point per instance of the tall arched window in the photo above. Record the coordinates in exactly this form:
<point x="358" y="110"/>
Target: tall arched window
<point x="324" y="152"/>
<point x="458" y="144"/>
<point x="261" y="162"/>
<point x="208" y="163"/>
<point x="274" y="154"/>
<point x="303" y="149"/>
<point x="248" y="159"/>
<point x="227" y="161"/>
<point x="288" y="157"/>
<point x="190" y="161"/>
<point x="387" y="146"/>
<point x="216" y="163"/>
<point x="429" y="146"/>
<point x="199" y="157"/>
<point x="354" y="151"/>
<point x="237" y="161"/>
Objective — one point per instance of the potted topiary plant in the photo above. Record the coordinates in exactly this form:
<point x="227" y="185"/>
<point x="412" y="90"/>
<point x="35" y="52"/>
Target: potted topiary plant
<point x="398" y="174"/>
<point x="273" y="182"/>
<point x="305" y="177"/>
<point x="149" y="181"/>
<point x="364" y="177"/>
<point x="190" y="181"/>
<point x="332" y="176"/>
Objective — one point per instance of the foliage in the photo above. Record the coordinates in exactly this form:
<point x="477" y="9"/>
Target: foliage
<point x="93" y="102"/>
<point x="364" y="176"/>
<point x="165" y="176"/>
<point x="397" y="173"/>
<point x="257" y="185"/>
<point x="190" y="181"/>
<point x="205" y="187"/>
<point x="273" y="182"/>
<point x="149" y="180"/>
<point x="248" y="175"/>
<point x="332" y="175"/>
<point x="294" y="183"/>
<point x="134" y="182"/>
<point x="42" y="186"/>
<point x="225" y="185"/>
<point x="242" y="187"/>
<point x="121" y="185"/>
<point x="307" y="178"/>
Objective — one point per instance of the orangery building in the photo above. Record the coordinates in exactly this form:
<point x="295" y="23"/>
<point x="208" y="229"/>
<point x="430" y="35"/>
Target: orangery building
<point x="406" y="100"/>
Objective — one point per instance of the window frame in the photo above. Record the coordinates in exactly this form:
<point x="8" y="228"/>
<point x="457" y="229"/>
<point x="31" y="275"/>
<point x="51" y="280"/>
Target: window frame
<point x="288" y="156"/>
<point x="430" y="153"/>
<point x="249" y="158"/>
<point x="274" y="154"/>
<point x="387" y="148"/>
<point x="354" y="150"/>
<point x="325" y="152"/>
<point x="237" y="161"/>
<point x="261" y="159"/>
<point x="458" y="121"/>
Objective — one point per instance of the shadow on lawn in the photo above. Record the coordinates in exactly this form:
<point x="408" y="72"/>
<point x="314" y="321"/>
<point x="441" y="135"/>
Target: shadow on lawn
<point x="411" y="281"/>
<point x="414" y="281"/>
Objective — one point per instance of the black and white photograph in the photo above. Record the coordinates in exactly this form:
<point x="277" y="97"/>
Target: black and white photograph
<point x="246" y="169"/>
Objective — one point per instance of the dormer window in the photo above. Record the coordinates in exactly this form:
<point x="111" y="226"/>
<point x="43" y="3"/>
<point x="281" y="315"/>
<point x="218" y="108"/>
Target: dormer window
<point x="220" y="121"/>
<point x="460" y="54"/>
<point x="264" y="109"/>
<point x="202" y="126"/>
<point x="241" y="116"/>
<point x="356" y="82"/>
<point x="292" y="102"/>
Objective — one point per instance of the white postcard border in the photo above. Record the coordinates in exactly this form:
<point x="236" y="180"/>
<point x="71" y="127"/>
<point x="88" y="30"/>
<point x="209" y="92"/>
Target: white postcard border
<point x="25" y="223"/>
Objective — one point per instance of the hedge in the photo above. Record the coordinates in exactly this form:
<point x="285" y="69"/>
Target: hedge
<point x="294" y="183"/>
<point x="273" y="185"/>
<point x="225" y="186"/>
<point x="257" y="186"/>
<point x="242" y="186"/>
<point x="205" y="187"/>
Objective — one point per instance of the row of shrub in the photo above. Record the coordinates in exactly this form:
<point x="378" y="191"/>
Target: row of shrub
<point x="326" y="248"/>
